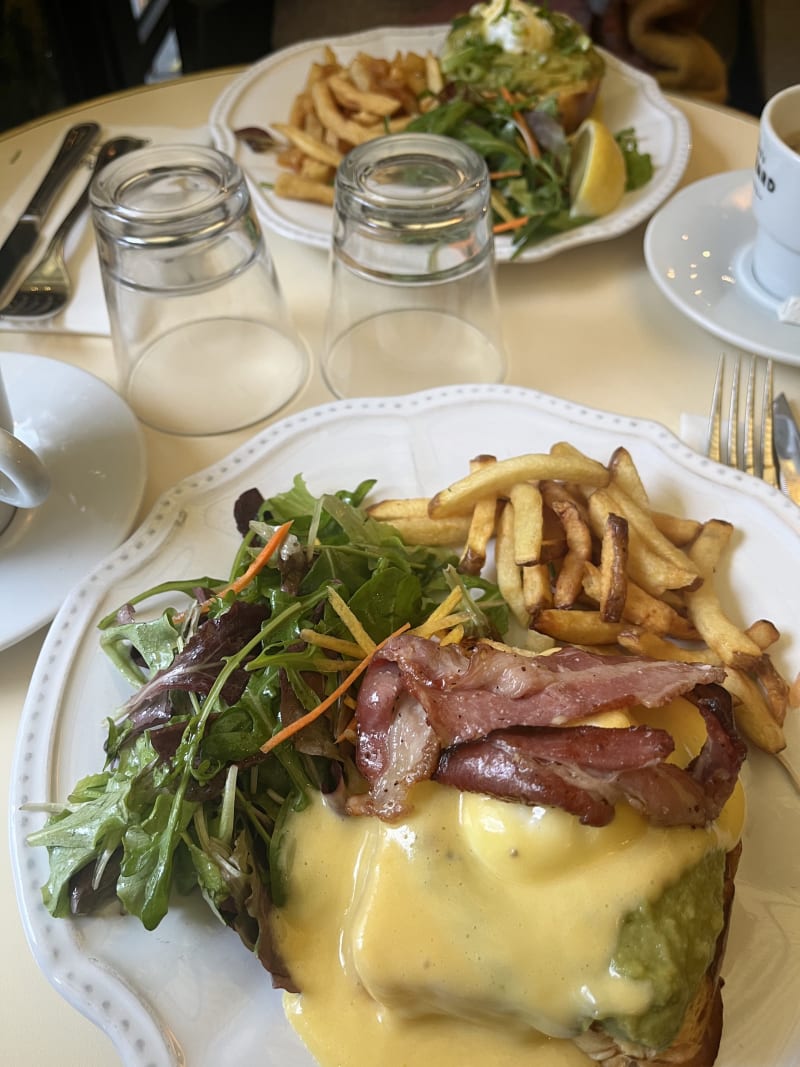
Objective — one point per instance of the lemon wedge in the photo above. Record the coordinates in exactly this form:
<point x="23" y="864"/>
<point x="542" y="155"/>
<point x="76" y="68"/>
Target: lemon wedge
<point x="597" y="175"/>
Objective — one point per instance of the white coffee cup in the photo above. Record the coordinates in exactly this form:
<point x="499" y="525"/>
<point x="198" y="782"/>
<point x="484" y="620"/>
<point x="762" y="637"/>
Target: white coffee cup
<point x="24" y="481"/>
<point x="776" y="196"/>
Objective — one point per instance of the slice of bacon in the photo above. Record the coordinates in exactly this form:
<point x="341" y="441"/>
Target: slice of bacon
<point x="587" y="769"/>
<point x="570" y="767"/>
<point x="466" y="696"/>
<point x="498" y="715"/>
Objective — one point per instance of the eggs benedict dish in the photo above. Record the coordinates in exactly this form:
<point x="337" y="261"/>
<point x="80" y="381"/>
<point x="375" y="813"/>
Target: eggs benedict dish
<point x="513" y="46"/>
<point x="538" y="869"/>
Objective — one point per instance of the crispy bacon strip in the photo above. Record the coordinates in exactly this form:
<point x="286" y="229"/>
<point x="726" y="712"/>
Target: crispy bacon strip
<point x="587" y="769"/>
<point x="467" y="696"/>
<point x="499" y="717"/>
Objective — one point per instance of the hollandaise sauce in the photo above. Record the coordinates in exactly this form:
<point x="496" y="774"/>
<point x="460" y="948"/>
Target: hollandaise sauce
<point x="471" y="929"/>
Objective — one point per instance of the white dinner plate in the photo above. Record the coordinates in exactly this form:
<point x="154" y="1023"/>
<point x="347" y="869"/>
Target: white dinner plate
<point x="91" y="444"/>
<point x="189" y="992"/>
<point x="263" y="94"/>
<point x="697" y="248"/>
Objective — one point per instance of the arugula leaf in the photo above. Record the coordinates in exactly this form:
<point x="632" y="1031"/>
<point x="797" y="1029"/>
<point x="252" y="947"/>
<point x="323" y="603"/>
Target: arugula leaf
<point x="638" y="165"/>
<point x="188" y="800"/>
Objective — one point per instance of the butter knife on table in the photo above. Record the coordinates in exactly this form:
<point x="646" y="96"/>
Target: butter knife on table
<point x="21" y="242"/>
<point x="786" y="437"/>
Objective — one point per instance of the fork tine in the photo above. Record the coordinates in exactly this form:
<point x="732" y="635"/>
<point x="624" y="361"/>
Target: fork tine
<point x="749" y="460"/>
<point x="714" y="435"/>
<point x="733" y="458"/>
<point x="769" y="471"/>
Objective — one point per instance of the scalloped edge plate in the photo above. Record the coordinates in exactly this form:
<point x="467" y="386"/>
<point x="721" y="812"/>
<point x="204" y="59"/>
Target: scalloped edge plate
<point x="265" y="91"/>
<point x="189" y="992"/>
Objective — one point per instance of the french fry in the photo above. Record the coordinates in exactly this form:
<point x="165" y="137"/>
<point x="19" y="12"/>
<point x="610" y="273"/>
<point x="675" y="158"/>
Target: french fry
<point x="313" y="170"/>
<point x="775" y="688"/>
<point x="423" y="530"/>
<point x="752" y="713"/>
<point x="576" y="627"/>
<point x="642" y="609"/>
<point x="295" y="187"/>
<point x="340" y="107"/>
<point x="498" y="479"/>
<point x="647" y="568"/>
<point x="526" y="502"/>
<point x="642" y="522"/>
<point x="613" y="568"/>
<point x="569" y="583"/>
<point x="309" y="145"/>
<point x="399" y="508"/>
<point x="332" y="118"/>
<point x="681" y="532"/>
<point x="731" y="643"/>
<point x="626" y="476"/>
<point x="350" y="96"/>
<point x="763" y="632"/>
<point x="646" y="643"/>
<point x="481" y="527"/>
<point x="536" y="592"/>
<point x="509" y="575"/>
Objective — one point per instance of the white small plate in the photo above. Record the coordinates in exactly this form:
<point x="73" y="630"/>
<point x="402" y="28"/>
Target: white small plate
<point x="697" y="251"/>
<point x="91" y="444"/>
<point x="264" y="93"/>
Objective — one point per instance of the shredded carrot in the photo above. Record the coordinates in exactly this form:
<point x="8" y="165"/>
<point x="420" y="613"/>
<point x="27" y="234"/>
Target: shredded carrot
<point x="496" y="175"/>
<point x="258" y="564"/>
<point x="511" y="224"/>
<point x="240" y="583"/>
<point x="320" y="709"/>
<point x="525" y="131"/>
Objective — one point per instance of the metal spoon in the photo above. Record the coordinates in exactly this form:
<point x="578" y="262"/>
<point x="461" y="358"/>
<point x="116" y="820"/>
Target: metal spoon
<point x="47" y="289"/>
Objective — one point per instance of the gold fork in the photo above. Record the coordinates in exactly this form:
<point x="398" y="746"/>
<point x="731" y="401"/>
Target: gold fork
<point x="745" y="439"/>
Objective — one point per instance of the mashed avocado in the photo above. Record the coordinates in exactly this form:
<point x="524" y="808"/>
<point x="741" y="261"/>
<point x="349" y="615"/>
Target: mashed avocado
<point x="571" y="60"/>
<point x="670" y="944"/>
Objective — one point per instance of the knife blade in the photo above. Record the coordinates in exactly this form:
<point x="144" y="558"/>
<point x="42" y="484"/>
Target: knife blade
<point x="19" y="244"/>
<point x="786" y="439"/>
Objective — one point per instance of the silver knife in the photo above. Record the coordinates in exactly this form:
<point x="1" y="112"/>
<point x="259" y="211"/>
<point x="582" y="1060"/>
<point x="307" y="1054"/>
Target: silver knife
<point x="22" y="240"/>
<point x="33" y="300"/>
<point x="786" y="437"/>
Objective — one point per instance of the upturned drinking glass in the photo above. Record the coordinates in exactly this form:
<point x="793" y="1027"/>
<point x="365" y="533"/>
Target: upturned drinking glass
<point x="412" y="301"/>
<point x="202" y="337"/>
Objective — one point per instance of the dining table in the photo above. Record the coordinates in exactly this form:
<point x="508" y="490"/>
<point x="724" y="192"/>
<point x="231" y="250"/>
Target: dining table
<point x="588" y="325"/>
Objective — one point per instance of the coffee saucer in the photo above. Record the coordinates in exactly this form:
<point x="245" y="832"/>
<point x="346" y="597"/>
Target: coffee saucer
<point x="92" y="446"/>
<point x="697" y="248"/>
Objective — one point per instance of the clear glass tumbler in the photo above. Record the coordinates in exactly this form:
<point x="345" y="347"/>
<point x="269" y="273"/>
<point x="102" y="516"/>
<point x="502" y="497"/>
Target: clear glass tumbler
<point x="413" y="301"/>
<point x="202" y="337"/>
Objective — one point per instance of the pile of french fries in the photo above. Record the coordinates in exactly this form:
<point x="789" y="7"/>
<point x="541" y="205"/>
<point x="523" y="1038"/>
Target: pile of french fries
<point x="344" y="106"/>
<point x="582" y="558"/>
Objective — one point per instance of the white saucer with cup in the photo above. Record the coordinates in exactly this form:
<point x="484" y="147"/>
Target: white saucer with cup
<point x="24" y="481"/>
<point x="776" y="199"/>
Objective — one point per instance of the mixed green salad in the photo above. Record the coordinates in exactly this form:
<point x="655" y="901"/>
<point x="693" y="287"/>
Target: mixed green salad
<point x="192" y="796"/>
<point x="514" y="74"/>
<point x="529" y="156"/>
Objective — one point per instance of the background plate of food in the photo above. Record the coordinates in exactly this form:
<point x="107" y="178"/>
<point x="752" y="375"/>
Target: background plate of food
<point x="265" y="97"/>
<point x="188" y="992"/>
